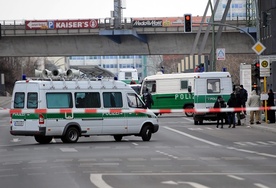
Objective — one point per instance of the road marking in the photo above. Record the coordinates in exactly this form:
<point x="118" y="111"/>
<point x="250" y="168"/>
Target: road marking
<point x="166" y="154"/>
<point x="253" y="152"/>
<point x="68" y="150"/>
<point x="193" y="137"/>
<point x="98" y="181"/>
<point x="235" y="177"/>
<point x="260" y="185"/>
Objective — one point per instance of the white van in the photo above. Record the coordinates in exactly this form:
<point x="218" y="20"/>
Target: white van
<point x="207" y="87"/>
<point x="49" y="109"/>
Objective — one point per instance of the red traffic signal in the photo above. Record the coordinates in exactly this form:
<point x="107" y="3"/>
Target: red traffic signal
<point x="187" y="23"/>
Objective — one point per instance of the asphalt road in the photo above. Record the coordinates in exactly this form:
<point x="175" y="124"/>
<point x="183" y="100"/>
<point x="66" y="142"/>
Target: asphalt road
<point x="179" y="155"/>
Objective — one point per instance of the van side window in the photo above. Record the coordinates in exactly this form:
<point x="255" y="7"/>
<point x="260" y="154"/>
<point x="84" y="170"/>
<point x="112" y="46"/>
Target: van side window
<point x="151" y="85"/>
<point x="32" y="100"/>
<point x="112" y="99"/>
<point x="59" y="100"/>
<point x="19" y="100"/>
<point x="184" y="84"/>
<point x="134" y="101"/>
<point x="87" y="100"/>
<point x="213" y="85"/>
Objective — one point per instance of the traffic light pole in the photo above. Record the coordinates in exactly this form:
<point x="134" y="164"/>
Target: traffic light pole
<point x="265" y="100"/>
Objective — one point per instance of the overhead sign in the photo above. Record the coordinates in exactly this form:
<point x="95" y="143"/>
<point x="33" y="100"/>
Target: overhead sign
<point x="221" y="54"/>
<point x="258" y="48"/>
<point x="264" y="67"/>
<point x="61" y="24"/>
<point x="147" y="23"/>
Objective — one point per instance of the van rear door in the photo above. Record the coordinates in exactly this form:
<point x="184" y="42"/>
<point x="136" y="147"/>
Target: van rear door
<point x="25" y="97"/>
<point x="32" y="96"/>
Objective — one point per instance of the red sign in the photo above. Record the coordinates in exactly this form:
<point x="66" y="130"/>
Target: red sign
<point x="61" y="24"/>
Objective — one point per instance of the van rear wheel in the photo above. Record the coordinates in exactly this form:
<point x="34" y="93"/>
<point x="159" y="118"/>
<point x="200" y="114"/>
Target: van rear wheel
<point x="118" y="138"/>
<point x="43" y="139"/>
<point x="146" y="133"/>
<point x="71" y="135"/>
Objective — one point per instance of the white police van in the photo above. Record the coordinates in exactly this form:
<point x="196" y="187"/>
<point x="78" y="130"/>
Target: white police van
<point x="69" y="109"/>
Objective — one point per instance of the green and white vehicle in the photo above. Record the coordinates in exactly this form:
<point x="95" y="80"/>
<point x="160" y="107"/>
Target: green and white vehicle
<point x="171" y="91"/>
<point x="188" y="90"/>
<point x="207" y="87"/>
<point x="78" y="95"/>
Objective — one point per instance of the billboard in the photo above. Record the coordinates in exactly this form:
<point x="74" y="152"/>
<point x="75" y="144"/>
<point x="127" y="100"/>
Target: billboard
<point x="61" y="24"/>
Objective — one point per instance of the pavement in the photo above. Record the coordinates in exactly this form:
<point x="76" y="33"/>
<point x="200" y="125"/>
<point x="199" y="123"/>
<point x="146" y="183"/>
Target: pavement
<point x="269" y="127"/>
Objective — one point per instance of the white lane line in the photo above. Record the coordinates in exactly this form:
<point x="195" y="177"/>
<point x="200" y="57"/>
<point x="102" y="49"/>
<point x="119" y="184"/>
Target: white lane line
<point x="193" y="137"/>
<point x="254" y="152"/>
<point x="260" y="185"/>
<point x="68" y="150"/>
<point x="235" y="177"/>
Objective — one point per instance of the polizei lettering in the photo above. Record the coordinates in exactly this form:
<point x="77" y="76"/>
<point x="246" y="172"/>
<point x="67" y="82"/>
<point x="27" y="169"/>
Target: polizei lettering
<point x="183" y="96"/>
<point x="147" y="23"/>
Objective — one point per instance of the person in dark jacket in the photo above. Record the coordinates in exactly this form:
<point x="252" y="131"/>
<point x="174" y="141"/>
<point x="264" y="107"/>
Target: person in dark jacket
<point x="220" y="103"/>
<point x="232" y="103"/>
<point x="239" y="104"/>
<point x="270" y="102"/>
<point x="147" y="98"/>
<point x="244" y="97"/>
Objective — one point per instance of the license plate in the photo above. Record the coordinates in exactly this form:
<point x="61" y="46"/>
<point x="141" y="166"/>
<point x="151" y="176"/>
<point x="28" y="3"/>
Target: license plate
<point x="18" y="123"/>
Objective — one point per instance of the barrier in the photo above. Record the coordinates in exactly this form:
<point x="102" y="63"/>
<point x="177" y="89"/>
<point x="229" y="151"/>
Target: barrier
<point x="118" y="110"/>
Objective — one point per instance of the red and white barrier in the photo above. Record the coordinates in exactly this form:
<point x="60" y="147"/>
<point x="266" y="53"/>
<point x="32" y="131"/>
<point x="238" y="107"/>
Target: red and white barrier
<point x="119" y="110"/>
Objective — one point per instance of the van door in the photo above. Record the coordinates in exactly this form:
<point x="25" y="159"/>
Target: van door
<point x="113" y="122"/>
<point x="91" y="123"/>
<point x="200" y="89"/>
<point x="32" y="96"/>
<point x="135" y="120"/>
<point x="25" y="97"/>
<point x="56" y="122"/>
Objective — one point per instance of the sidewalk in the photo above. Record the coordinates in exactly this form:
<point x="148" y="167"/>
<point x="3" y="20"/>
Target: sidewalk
<point x="5" y="102"/>
<point x="264" y="126"/>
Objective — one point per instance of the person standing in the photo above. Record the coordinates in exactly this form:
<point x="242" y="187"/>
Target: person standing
<point x="254" y="101"/>
<point x="147" y="98"/>
<point x="220" y="103"/>
<point x="239" y="104"/>
<point x="232" y="103"/>
<point x="243" y="97"/>
<point x="270" y="102"/>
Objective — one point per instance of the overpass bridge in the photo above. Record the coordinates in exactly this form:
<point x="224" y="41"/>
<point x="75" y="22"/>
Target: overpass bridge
<point x="19" y="40"/>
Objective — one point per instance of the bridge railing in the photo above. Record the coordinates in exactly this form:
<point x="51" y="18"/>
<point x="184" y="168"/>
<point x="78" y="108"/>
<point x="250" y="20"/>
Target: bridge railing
<point x="18" y="28"/>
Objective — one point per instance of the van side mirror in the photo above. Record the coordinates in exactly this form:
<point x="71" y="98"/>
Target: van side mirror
<point x="190" y="89"/>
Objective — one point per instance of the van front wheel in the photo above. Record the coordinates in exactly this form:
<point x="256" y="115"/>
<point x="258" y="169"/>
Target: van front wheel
<point x="146" y="133"/>
<point x="43" y="139"/>
<point x="71" y="135"/>
<point x="189" y="113"/>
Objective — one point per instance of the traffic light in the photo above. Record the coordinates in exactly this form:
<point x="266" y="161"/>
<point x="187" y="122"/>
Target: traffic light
<point x="187" y="23"/>
<point x="256" y="72"/>
<point x="264" y="19"/>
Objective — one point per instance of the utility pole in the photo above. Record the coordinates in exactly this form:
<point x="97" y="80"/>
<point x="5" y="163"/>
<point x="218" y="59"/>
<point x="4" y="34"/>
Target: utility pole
<point x="117" y="14"/>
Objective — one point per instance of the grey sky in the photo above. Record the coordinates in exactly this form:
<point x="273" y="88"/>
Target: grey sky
<point x="83" y="9"/>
